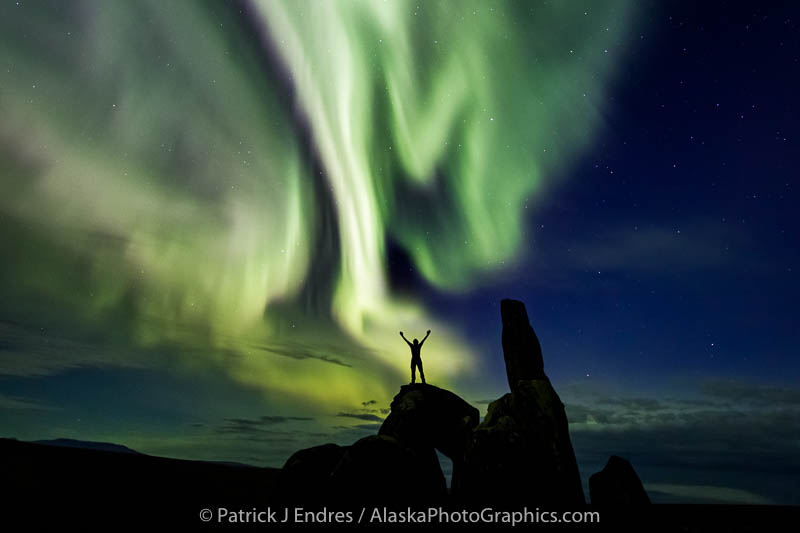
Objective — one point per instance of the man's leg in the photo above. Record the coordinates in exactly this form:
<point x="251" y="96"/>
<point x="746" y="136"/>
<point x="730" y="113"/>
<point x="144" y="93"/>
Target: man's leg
<point x="421" y="373"/>
<point x="413" y="375"/>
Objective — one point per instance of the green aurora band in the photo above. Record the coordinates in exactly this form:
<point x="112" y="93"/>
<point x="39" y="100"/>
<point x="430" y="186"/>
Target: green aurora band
<point x="220" y="183"/>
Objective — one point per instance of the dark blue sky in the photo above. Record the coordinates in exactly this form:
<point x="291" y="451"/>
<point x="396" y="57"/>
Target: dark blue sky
<point x="671" y="249"/>
<point x="664" y="269"/>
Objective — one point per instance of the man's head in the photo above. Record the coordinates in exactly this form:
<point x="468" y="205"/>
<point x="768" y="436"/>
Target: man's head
<point x="416" y="342"/>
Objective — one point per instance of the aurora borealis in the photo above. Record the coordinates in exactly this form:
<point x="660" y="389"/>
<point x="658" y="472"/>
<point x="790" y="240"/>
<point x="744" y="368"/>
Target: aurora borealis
<point x="198" y="183"/>
<point x="216" y="216"/>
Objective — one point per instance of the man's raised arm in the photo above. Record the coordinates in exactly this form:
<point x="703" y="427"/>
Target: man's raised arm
<point x="426" y="338"/>
<point x="404" y="338"/>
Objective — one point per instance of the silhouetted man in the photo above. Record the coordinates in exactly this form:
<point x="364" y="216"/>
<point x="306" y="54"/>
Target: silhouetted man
<point x="416" y="360"/>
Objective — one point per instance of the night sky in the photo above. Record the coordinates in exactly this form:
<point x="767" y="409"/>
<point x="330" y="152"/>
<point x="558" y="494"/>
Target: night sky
<point x="215" y="217"/>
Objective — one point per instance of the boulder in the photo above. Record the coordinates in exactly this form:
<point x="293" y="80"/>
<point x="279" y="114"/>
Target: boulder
<point x="424" y="416"/>
<point x="521" y="452"/>
<point x="617" y="484"/>
<point x="427" y="418"/>
<point x="377" y="469"/>
<point x="307" y="473"/>
<point x="521" y="349"/>
<point x="380" y="469"/>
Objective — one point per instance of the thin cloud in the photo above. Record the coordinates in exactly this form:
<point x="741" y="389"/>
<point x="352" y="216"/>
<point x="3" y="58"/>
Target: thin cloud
<point x="22" y="403"/>
<point x="362" y="416"/>
<point x="303" y="352"/>
<point x="706" y="494"/>
<point x="261" y="428"/>
<point x="735" y="430"/>
<point x="741" y="391"/>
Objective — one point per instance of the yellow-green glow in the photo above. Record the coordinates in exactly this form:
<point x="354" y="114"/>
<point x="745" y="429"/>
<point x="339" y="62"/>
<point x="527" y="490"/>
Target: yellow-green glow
<point x="163" y="161"/>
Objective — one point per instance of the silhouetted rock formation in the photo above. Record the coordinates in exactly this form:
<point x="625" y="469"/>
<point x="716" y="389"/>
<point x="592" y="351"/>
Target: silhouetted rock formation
<point x="521" y="348"/>
<point x="427" y="418"/>
<point x="520" y="452"/>
<point x="522" y="449"/>
<point x="617" y="484"/>
<point x="424" y="416"/>
<point x="308" y="471"/>
<point x="378" y="468"/>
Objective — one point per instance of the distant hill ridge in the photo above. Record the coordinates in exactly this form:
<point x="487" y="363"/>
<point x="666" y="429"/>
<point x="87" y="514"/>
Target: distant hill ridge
<point x="89" y="445"/>
<point x="117" y="448"/>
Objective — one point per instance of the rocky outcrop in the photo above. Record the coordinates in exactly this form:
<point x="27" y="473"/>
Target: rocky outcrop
<point x="427" y="418"/>
<point x="424" y="416"/>
<point x="522" y="451"/>
<point x="521" y="349"/>
<point x="617" y="484"/>
<point x="397" y="465"/>
<point x="308" y="471"/>
<point x="378" y="468"/>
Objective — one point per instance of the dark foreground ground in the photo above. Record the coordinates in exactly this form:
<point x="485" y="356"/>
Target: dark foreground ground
<point x="73" y="487"/>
